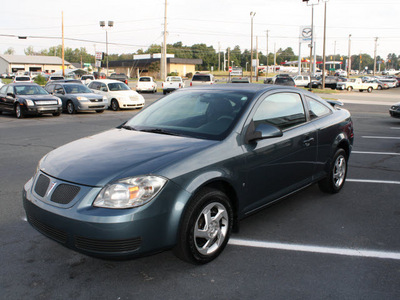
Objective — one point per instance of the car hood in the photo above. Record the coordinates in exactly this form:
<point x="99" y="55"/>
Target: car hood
<point x="88" y="95"/>
<point x="38" y="97"/>
<point x="118" y="153"/>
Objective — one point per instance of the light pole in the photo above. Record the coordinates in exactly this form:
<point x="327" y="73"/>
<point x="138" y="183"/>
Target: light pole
<point x="349" y="59"/>
<point x="246" y="65"/>
<point x="252" y="14"/>
<point x="103" y="25"/>
<point x="323" y="51"/>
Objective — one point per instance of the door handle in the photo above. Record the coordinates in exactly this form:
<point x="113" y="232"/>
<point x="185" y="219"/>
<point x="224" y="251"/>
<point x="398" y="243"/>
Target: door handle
<point x="307" y="142"/>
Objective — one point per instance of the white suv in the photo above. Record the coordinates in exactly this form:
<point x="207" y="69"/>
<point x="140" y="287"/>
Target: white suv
<point x="202" y="79"/>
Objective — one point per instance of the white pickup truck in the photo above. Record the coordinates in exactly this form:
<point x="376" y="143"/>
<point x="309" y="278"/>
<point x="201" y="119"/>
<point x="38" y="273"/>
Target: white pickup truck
<point x="172" y="83"/>
<point x="356" y="84"/>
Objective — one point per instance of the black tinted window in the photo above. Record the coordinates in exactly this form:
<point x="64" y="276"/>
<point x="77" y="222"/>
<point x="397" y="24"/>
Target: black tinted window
<point x="317" y="109"/>
<point x="201" y="78"/>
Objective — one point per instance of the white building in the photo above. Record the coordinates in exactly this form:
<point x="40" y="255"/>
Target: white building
<point x="30" y="63"/>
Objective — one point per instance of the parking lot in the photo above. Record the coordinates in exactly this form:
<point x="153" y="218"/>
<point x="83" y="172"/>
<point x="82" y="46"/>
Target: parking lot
<point x="309" y="246"/>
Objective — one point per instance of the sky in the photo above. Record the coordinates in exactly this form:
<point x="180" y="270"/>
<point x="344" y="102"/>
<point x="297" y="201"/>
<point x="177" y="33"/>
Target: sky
<point x="217" y="23"/>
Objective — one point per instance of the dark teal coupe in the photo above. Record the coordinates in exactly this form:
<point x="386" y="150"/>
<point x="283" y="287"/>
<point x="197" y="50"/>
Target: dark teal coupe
<point x="182" y="173"/>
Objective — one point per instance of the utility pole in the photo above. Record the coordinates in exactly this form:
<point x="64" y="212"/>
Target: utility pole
<point x="376" y="45"/>
<point x="267" y="55"/>
<point x="256" y="58"/>
<point x="349" y="59"/>
<point x="252" y="14"/>
<point x="62" y="47"/>
<point x="229" y="56"/>
<point x="323" y="52"/>
<point x="219" y="56"/>
<point x="163" y="66"/>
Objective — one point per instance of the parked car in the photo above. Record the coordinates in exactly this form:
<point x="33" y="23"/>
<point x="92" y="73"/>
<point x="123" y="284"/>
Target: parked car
<point x="356" y="84"/>
<point x="392" y="83"/>
<point x="395" y="110"/>
<point x="390" y="72"/>
<point x="118" y="94"/>
<point x="379" y="84"/>
<point x="271" y="80"/>
<point x="22" y="78"/>
<point x="77" y="97"/>
<point x="146" y="84"/>
<point x="28" y="99"/>
<point x="288" y="81"/>
<point x="240" y="80"/>
<point x="202" y="79"/>
<point x="302" y="80"/>
<point x="182" y="172"/>
<point x="86" y="79"/>
<point x="121" y="77"/>
<point x="172" y="83"/>
<point x="56" y="77"/>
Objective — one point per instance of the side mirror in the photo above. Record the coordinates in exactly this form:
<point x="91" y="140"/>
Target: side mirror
<point x="261" y="132"/>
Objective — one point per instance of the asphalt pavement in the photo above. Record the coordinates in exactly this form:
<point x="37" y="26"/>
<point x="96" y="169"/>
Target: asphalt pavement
<point x="309" y="246"/>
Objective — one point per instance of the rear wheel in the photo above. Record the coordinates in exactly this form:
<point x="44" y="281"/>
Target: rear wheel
<point x="379" y="87"/>
<point x="350" y="88"/>
<point x="205" y="228"/>
<point x="319" y="86"/>
<point x="336" y="178"/>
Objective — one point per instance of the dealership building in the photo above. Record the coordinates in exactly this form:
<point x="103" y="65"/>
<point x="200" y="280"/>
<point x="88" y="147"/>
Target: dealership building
<point x="31" y="63"/>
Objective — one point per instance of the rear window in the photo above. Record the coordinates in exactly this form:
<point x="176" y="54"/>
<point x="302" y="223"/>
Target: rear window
<point x="22" y="78"/>
<point x="201" y="78"/>
<point x="145" y="79"/>
<point x="284" y="80"/>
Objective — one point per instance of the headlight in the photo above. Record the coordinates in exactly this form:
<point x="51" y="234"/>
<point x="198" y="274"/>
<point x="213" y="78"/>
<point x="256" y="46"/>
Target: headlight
<point x="29" y="102"/>
<point x="105" y="99"/>
<point x="82" y="98"/>
<point x="129" y="192"/>
<point x="59" y="101"/>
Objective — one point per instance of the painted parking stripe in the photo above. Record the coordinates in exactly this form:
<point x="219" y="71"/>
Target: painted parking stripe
<point x="316" y="249"/>
<point x="373" y="181"/>
<point x="382" y="137"/>
<point x="375" y="153"/>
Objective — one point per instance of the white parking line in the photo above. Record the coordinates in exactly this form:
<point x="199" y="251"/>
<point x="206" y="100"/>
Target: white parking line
<point x="373" y="181"/>
<point x="382" y="137"/>
<point x="375" y="153"/>
<point x="316" y="249"/>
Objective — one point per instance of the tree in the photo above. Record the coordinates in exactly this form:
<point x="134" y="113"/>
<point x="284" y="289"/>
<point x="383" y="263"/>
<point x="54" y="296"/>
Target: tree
<point x="10" y="51"/>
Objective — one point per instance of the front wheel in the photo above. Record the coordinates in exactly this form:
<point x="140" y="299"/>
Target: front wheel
<point x="369" y="90"/>
<point x="350" y="88"/>
<point x="70" y="108"/>
<point x="205" y="228"/>
<point x="114" y="105"/>
<point x="19" y="113"/>
<point x="337" y="173"/>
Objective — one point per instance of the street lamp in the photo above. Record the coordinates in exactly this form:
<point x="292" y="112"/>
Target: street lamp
<point x="312" y="37"/>
<point x="349" y="59"/>
<point x="252" y="14"/>
<point x="103" y="25"/>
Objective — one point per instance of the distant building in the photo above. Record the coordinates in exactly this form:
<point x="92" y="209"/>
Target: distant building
<point x="148" y="65"/>
<point x="30" y="63"/>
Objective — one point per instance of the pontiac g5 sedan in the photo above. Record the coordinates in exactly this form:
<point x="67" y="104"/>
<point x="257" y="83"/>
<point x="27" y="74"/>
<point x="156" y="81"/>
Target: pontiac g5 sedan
<point x="185" y="170"/>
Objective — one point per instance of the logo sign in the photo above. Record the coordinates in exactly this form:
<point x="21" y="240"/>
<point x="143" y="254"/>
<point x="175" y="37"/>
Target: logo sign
<point x="305" y="33"/>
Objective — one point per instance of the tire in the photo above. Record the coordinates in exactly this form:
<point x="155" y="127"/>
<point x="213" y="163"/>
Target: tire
<point x="114" y="105"/>
<point x="100" y="111"/>
<point x="19" y="113"/>
<point x="319" y="86"/>
<point x="56" y="114"/>
<point x="369" y="89"/>
<point x="350" y="88"/>
<point x="337" y="173"/>
<point x="205" y="227"/>
<point x="379" y="87"/>
<point x="70" y="108"/>
<point x="164" y="92"/>
<point x="361" y="91"/>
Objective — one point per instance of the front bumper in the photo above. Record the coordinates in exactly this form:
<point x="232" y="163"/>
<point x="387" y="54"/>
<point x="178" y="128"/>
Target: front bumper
<point x="48" y="109"/>
<point x="130" y="103"/>
<point x="101" y="232"/>
<point x="92" y="105"/>
<point x="395" y="113"/>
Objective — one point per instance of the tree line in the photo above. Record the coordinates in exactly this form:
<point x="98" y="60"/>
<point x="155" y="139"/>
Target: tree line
<point x="211" y="56"/>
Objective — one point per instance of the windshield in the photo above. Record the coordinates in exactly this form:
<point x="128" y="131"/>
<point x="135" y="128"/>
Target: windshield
<point x="199" y="114"/>
<point x="76" y="89"/>
<point x="29" y="90"/>
<point x="118" y="86"/>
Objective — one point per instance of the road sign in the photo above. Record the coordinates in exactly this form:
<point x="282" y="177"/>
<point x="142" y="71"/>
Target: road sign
<point x="98" y="64"/>
<point x="230" y="69"/>
<point x="99" y="55"/>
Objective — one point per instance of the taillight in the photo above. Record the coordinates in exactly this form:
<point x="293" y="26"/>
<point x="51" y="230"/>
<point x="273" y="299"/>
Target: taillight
<point x="190" y="84"/>
<point x="162" y="85"/>
<point x="180" y="85"/>
<point x="126" y="81"/>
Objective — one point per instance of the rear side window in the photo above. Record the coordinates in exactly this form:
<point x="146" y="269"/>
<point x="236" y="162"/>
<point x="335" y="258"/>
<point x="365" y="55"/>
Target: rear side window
<point x="283" y="110"/>
<point x="201" y="78"/>
<point x="317" y="109"/>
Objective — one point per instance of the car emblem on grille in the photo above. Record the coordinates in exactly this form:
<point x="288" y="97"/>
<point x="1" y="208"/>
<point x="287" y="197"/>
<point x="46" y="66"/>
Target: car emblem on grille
<point x="52" y="185"/>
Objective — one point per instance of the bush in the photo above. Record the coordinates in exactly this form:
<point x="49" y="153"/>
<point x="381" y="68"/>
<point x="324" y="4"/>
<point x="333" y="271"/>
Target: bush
<point x="173" y="74"/>
<point x="189" y="75"/>
<point x="40" y="80"/>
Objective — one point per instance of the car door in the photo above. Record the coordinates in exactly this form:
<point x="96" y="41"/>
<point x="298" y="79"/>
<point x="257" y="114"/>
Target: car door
<point x="3" y="94"/>
<point x="280" y="165"/>
<point x="60" y="93"/>
<point x="10" y="99"/>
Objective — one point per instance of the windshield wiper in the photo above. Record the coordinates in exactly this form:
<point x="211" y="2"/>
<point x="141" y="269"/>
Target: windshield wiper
<point x="128" y="127"/>
<point x="160" y="131"/>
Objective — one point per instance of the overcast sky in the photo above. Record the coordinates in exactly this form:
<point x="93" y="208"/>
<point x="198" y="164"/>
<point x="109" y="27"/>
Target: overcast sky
<point x="224" y="23"/>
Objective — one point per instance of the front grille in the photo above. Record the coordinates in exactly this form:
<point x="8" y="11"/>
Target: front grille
<point x="41" y="185"/>
<point x="64" y="193"/>
<point x="107" y="245"/>
<point x="51" y="232"/>
<point x="96" y="106"/>
<point x="95" y="100"/>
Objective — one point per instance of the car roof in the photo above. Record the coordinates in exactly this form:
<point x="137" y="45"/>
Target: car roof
<point x="22" y="83"/>
<point x="106" y="81"/>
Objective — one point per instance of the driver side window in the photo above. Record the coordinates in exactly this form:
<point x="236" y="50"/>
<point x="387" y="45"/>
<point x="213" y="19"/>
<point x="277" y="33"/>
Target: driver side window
<point x="283" y="110"/>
